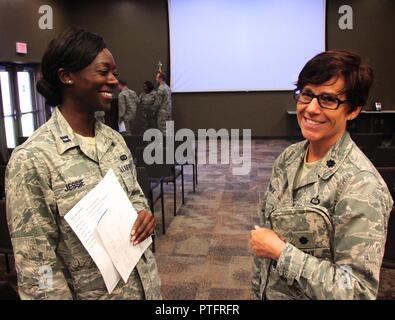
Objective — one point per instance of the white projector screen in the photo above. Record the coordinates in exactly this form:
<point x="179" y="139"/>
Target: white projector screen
<point x="242" y="45"/>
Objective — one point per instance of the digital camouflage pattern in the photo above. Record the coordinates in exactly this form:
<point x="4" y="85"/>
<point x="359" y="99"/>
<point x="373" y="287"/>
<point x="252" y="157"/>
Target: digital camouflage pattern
<point x="163" y="99"/>
<point x="334" y="224"/>
<point x="149" y="108"/>
<point x="127" y="107"/>
<point x="46" y="177"/>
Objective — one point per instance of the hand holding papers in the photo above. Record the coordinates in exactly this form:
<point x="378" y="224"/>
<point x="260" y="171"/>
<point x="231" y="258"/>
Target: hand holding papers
<point x="103" y="220"/>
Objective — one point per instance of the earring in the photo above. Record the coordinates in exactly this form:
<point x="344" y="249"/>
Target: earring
<point x="69" y="82"/>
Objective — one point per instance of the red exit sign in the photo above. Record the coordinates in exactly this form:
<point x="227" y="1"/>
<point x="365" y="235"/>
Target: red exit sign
<point x="21" y="47"/>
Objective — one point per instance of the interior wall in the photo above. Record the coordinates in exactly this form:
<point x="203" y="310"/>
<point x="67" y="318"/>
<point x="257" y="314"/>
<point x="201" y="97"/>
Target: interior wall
<point x="136" y="31"/>
<point x="19" y="23"/>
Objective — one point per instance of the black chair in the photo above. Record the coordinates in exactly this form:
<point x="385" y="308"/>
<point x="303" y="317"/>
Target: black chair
<point x="5" y="239"/>
<point x="389" y="253"/>
<point x="21" y="140"/>
<point x="388" y="174"/>
<point x="189" y="161"/>
<point x="165" y="173"/>
<point x="134" y="141"/>
<point x="393" y="140"/>
<point x="2" y="181"/>
<point x="148" y="189"/>
<point x="368" y="142"/>
<point x="7" y="292"/>
<point x="384" y="157"/>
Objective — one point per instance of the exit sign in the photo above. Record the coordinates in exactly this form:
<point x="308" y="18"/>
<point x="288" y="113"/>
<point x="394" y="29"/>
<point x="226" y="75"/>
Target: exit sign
<point x="21" y="47"/>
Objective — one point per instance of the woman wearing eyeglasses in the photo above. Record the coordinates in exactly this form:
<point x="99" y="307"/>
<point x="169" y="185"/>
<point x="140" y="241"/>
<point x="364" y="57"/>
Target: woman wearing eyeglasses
<point x="325" y="213"/>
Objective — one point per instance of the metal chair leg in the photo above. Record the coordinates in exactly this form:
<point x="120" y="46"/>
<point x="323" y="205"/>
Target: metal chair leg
<point x="175" y="195"/>
<point x="163" y="208"/>
<point x="182" y="185"/>
<point x="7" y="263"/>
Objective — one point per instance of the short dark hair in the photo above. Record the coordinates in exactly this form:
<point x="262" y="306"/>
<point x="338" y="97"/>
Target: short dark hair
<point x="357" y="74"/>
<point x="149" y="85"/>
<point x="162" y="76"/>
<point x="74" y="49"/>
<point x="123" y="82"/>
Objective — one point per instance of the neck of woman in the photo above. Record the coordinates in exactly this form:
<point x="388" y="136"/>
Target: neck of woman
<point x="82" y="122"/>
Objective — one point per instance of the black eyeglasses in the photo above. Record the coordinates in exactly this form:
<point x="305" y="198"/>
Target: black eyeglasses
<point x="326" y="101"/>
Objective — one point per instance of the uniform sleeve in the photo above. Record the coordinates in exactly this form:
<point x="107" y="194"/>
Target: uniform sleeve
<point x="257" y="263"/>
<point x="132" y="106"/>
<point x="360" y="233"/>
<point x="122" y="106"/>
<point x="33" y="229"/>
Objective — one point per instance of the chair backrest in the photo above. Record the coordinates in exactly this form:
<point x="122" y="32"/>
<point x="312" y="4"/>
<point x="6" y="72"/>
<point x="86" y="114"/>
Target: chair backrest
<point x="155" y="170"/>
<point x="5" y="239"/>
<point x="390" y="244"/>
<point x="7" y="292"/>
<point x="143" y="180"/>
<point x="368" y="142"/>
<point x="388" y="174"/>
<point x="384" y="157"/>
<point x="2" y="181"/>
<point x="134" y="141"/>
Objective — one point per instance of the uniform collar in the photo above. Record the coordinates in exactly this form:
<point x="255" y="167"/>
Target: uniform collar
<point x="65" y="138"/>
<point x="326" y="167"/>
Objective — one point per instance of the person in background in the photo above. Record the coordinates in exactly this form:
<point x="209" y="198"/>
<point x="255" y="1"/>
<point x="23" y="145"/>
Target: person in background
<point x="163" y="99"/>
<point x="127" y="107"/>
<point x="149" y="108"/>
<point x="58" y="165"/>
<point x="325" y="213"/>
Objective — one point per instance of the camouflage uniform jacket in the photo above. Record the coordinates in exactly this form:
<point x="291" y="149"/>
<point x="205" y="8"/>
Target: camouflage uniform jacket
<point x="127" y="104"/>
<point x="46" y="177"/>
<point x="163" y="98"/>
<point x="147" y="101"/>
<point x="334" y="224"/>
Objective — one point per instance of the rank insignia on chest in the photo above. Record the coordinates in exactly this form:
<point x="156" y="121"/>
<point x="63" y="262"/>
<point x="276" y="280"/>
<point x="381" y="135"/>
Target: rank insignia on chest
<point x="330" y="163"/>
<point x="65" y="139"/>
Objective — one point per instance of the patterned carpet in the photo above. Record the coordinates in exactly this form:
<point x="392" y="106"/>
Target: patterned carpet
<point x="204" y="253"/>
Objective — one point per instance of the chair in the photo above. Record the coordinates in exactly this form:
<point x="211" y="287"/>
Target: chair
<point x="2" y="181"/>
<point x="389" y="253"/>
<point x="148" y="189"/>
<point x="384" y="157"/>
<point x="189" y="162"/>
<point x="5" y="239"/>
<point x="367" y="142"/>
<point x="393" y="140"/>
<point x="388" y="174"/>
<point x="166" y="173"/>
<point x="134" y="141"/>
<point x="7" y="292"/>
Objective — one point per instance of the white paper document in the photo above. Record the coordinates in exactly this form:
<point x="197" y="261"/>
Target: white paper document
<point x="103" y="221"/>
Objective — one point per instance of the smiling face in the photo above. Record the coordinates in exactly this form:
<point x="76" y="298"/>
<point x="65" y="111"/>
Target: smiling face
<point x="324" y="127"/>
<point x="93" y="86"/>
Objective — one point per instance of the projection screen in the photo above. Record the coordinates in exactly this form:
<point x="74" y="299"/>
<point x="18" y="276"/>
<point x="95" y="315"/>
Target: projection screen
<point x="242" y="45"/>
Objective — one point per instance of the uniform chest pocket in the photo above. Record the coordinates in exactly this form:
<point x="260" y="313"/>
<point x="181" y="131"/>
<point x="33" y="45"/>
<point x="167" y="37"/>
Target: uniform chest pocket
<point x="71" y="190"/>
<point x="308" y="229"/>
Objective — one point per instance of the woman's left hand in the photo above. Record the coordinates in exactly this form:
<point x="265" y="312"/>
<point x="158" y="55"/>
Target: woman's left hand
<point x="143" y="227"/>
<point x="266" y="243"/>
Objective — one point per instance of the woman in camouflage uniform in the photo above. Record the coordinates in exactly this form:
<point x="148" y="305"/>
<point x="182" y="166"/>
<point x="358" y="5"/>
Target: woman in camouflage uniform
<point x="325" y="213"/>
<point x="58" y="165"/>
<point x="150" y="109"/>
